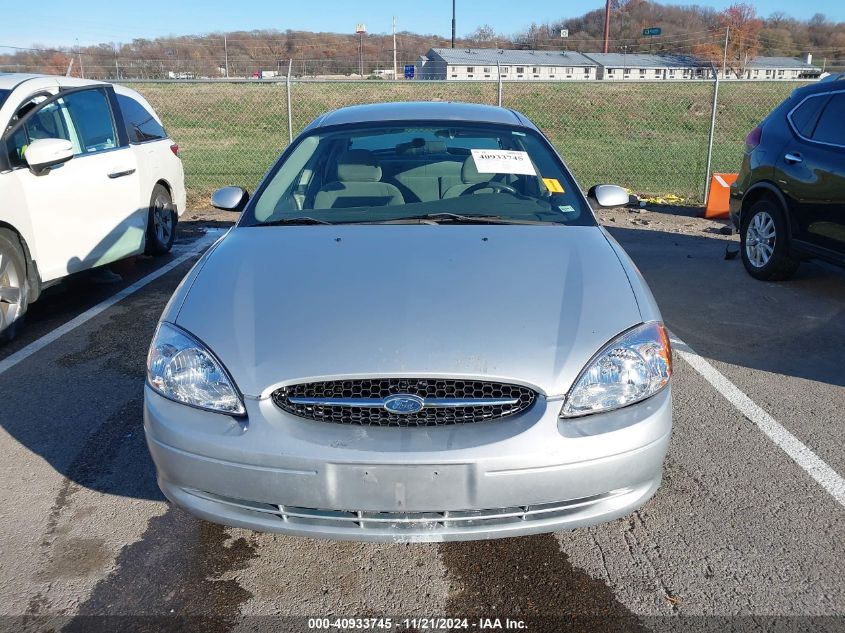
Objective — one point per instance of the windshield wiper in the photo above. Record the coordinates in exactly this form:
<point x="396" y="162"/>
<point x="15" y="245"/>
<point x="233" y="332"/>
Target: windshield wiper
<point x="294" y="221"/>
<point x="434" y="218"/>
<point x="457" y="218"/>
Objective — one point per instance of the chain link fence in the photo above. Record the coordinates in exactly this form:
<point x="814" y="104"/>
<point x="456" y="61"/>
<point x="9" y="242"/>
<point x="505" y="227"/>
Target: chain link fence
<point x="651" y="137"/>
<point x="741" y="106"/>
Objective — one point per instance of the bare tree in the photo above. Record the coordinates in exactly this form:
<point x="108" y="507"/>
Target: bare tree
<point x="483" y="34"/>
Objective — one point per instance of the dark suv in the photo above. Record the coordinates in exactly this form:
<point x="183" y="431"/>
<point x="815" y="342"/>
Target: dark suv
<point x="788" y="202"/>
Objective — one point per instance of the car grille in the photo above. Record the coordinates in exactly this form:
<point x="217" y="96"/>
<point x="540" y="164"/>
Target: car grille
<point x="441" y="402"/>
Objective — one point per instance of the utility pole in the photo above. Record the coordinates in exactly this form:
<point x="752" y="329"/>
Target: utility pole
<point x="360" y="29"/>
<point x="499" y="78"/>
<point x="725" y="57"/>
<point x="453" y="23"/>
<point x="290" y="114"/>
<point x="79" y="53"/>
<point x="606" y="24"/>
<point x="116" y="67"/>
<point x="713" y="109"/>
<point x="226" y="53"/>
<point x="394" y="48"/>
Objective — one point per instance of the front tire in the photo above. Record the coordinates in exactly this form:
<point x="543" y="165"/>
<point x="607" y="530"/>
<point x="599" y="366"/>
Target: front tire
<point x="764" y="242"/>
<point x="14" y="289"/>
<point x="161" y="223"/>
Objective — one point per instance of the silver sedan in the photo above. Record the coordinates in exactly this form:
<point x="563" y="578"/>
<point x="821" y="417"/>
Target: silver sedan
<point x="417" y="331"/>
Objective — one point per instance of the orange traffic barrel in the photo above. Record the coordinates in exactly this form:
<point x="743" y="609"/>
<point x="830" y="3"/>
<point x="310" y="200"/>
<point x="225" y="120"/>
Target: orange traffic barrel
<point x="718" y="200"/>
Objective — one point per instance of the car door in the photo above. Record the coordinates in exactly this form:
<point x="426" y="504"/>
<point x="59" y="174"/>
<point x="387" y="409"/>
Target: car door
<point x="812" y="166"/>
<point x="86" y="211"/>
<point x="148" y="141"/>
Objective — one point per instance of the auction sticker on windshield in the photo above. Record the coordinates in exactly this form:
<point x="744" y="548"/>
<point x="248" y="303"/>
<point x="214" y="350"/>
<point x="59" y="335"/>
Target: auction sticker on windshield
<point x="553" y="185"/>
<point x="502" y="161"/>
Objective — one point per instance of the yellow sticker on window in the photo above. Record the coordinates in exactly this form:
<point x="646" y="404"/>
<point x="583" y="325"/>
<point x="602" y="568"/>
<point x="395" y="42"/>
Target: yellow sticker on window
<point x="553" y="185"/>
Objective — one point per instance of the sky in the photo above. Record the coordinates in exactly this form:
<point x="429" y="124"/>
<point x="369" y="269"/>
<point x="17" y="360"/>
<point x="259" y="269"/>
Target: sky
<point x="64" y="22"/>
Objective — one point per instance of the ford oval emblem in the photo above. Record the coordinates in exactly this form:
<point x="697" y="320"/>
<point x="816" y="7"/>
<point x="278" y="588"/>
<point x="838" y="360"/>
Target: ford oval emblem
<point x="403" y="404"/>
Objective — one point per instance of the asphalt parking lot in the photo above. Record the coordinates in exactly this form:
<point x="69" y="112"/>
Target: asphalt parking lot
<point x="746" y="533"/>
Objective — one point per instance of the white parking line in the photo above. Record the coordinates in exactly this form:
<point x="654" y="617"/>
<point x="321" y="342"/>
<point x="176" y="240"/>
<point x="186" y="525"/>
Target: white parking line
<point x="828" y="478"/>
<point x="25" y="352"/>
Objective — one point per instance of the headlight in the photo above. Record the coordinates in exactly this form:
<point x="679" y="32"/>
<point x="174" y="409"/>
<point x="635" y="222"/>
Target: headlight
<point x="632" y="367"/>
<point x="181" y="368"/>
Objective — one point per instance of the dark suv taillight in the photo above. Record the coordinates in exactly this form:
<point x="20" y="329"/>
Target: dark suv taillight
<point x="753" y="139"/>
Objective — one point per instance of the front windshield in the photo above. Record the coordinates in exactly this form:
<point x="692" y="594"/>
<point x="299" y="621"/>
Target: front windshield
<point x="420" y="173"/>
<point x="3" y="94"/>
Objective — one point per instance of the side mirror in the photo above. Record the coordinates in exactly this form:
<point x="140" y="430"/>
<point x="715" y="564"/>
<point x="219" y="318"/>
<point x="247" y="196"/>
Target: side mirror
<point x="45" y="153"/>
<point x="609" y="195"/>
<point x="230" y="199"/>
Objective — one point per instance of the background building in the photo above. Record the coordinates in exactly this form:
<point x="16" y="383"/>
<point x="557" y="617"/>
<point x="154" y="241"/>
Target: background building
<point x="774" y="68"/>
<point x="488" y="63"/>
<point x="641" y="67"/>
<point x="530" y="65"/>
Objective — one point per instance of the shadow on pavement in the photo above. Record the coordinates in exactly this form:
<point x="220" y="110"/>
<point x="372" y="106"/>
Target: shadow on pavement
<point x="81" y="410"/>
<point x="795" y="328"/>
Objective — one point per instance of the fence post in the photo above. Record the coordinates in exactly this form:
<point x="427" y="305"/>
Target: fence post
<point x="290" y="118"/>
<point x="712" y="133"/>
<point x="499" y="77"/>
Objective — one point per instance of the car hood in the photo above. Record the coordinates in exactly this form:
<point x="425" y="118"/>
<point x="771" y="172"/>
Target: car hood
<point x="528" y="304"/>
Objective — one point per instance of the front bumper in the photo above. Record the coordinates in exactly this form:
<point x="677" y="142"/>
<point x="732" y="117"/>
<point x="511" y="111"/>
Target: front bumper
<point x="524" y="474"/>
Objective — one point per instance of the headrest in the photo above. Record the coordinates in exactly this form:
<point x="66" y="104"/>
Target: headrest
<point x="358" y="165"/>
<point x="469" y="172"/>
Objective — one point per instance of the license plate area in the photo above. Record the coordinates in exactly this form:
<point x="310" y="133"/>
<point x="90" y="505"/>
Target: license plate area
<point x="401" y="488"/>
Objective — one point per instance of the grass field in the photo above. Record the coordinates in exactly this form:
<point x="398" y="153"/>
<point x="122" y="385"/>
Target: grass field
<point x="650" y="137"/>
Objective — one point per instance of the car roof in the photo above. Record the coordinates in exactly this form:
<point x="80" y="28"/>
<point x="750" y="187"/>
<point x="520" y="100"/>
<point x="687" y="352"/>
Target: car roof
<point x="833" y="77"/>
<point x="824" y="85"/>
<point x="10" y="81"/>
<point x="445" y="111"/>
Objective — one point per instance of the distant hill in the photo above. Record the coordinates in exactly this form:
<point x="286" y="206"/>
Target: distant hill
<point x="246" y="52"/>
<point x="685" y="29"/>
<point x="688" y="29"/>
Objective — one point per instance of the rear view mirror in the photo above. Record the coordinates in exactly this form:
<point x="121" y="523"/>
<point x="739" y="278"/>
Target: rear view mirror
<point x="45" y="153"/>
<point x="230" y="199"/>
<point x="609" y="195"/>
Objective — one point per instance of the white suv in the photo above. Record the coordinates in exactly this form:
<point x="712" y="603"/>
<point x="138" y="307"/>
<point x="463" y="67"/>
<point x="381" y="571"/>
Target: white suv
<point x="87" y="176"/>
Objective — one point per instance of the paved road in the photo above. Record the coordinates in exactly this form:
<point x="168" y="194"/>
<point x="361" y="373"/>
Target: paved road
<point x="738" y="533"/>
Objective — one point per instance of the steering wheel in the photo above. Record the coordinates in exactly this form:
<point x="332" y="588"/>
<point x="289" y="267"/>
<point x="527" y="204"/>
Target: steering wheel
<point x="490" y="184"/>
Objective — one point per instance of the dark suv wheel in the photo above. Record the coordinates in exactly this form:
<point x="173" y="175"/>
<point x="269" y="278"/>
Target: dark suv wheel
<point x="764" y="241"/>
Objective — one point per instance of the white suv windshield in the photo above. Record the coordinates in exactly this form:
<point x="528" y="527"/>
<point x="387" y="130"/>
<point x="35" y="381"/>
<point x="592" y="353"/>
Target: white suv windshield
<point x="397" y="173"/>
<point x="3" y="94"/>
